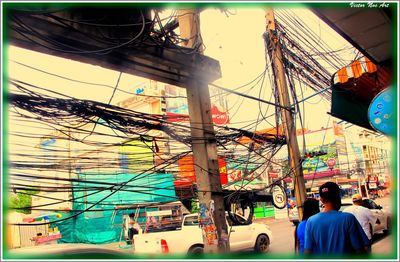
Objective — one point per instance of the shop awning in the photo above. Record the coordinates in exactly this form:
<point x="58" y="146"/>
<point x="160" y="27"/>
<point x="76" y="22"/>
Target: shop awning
<point x="354" y="87"/>
<point x="370" y="30"/>
<point x="355" y="70"/>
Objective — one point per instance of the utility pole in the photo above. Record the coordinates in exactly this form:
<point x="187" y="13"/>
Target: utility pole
<point x="288" y="121"/>
<point x="212" y="210"/>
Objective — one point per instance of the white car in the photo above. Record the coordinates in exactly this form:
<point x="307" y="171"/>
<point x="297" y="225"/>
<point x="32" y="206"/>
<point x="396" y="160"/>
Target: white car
<point x="188" y="238"/>
<point x="383" y="222"/>
<point x="383" y="216"/>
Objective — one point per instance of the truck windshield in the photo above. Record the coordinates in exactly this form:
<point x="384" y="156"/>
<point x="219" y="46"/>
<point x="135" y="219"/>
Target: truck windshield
<point x="241" y="220"/>
<point x="191" y="221"/>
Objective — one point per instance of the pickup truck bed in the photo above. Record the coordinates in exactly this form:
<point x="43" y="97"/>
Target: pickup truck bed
<point x="188" y="238"/>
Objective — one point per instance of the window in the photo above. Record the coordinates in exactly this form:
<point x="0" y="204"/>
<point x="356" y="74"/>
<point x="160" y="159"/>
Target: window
<point x="368" y="203"/>
<point x="191" y="221"/>
<point x="241" y="219"/>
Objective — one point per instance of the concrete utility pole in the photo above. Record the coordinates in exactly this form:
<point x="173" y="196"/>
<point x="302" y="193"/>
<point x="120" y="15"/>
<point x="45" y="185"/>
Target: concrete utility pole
<point x="212" y="210"/>
<point x="287" y="119"/>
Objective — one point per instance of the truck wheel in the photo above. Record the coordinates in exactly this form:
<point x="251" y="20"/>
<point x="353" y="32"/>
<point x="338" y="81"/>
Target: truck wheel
<point x="262" y="244"/>
<point x="196" y="250"/>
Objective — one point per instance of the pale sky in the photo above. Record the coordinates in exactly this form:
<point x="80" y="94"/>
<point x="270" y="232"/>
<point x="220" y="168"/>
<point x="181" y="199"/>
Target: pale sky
<point x="236" y="41"/>
<point x="234" y="38"/>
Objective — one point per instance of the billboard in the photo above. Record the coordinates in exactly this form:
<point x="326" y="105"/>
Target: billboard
<point x="136" y="155"/>
<point x="323" y="140"/>
<point x="241" y="173"/>
<point x="177" y="107"/>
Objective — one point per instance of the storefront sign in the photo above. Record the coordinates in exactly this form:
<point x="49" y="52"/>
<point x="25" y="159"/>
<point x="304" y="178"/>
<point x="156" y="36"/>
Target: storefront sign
<point x="373" y="182"/>
<point x="187" y="174"/>
<point x="381" y="112"/>
<point x="218" y="117"/>
<point x="273" y="174"/>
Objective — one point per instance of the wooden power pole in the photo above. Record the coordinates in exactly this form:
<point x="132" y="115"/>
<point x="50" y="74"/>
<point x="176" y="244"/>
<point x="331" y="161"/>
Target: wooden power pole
<point x="211" y="201"/>
<point x="289" y="124"/>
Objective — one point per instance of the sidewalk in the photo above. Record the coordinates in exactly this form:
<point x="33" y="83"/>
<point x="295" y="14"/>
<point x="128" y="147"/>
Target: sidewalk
<point x="384" y="246"/>
<point x="120" y="246"/>
<point x="263" y="220"/>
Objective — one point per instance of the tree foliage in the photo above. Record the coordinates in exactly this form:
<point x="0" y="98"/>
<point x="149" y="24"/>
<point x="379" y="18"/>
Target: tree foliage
<point x="22" y="202"/>
<point x="195" y="205"/>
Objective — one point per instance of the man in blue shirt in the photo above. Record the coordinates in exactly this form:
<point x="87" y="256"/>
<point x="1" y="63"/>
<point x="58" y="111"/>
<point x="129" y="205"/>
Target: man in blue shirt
<point x="332" y="232"/>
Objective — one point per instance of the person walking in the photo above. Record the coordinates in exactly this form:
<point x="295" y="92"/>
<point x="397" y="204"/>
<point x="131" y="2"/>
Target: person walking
<point x="364" y="216"/>
<point x="331" y="232"/>
<point x="310" y="208"/>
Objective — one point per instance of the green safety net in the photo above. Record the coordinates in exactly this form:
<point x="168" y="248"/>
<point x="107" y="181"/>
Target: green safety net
<point x="102" y="223"/>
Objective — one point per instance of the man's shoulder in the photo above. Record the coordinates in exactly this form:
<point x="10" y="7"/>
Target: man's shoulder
<point x="347" y="216"/>
<point x="365" y="209"/>
<point x="349" y="209"/>
<point x="317" y="217"/>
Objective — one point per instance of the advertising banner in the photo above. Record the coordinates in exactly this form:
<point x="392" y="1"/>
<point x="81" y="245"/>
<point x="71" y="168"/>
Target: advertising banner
<point x="177" y="107"/>
<point x="187" y="176"/>
<point x="323" y="140"/>
<point x="246" y="175"/>
<point x="136" y="156"/>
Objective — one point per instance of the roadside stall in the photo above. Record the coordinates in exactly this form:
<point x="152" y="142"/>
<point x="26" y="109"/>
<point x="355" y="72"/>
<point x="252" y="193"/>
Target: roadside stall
<point x="49" y="233"/>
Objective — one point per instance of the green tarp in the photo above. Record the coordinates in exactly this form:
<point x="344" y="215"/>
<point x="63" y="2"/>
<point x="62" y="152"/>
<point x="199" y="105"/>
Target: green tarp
<point x="100" y="224"/>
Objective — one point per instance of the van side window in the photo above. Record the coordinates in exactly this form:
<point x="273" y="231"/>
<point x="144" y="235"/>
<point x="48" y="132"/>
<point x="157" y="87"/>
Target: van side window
<point x="191" y="221"/>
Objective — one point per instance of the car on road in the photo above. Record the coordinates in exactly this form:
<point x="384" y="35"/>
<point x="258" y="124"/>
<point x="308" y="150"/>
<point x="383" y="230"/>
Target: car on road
<point x="293" y="212"/>
<point x="188" y="238"/>
<point x="383" y="216"/>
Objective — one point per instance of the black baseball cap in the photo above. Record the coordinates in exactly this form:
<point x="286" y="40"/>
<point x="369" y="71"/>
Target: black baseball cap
<point x="330" y="191"/>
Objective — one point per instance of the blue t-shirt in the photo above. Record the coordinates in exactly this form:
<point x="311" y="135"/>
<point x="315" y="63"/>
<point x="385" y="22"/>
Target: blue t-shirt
<point x="334" y="233"/>
<point x="301" y="230"/>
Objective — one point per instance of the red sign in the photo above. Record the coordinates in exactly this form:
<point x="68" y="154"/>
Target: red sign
<point x="331" y="162"/>
<point x="234" y="175"/>
<point x="273" y="174"/>
<point x="373" y="179"/>
<point x="372" y="182"/>
<point x="218" y="117"/>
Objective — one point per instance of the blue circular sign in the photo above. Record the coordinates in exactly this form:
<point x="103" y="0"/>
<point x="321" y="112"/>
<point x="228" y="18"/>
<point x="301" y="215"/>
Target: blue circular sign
<point x="381" y="112"/>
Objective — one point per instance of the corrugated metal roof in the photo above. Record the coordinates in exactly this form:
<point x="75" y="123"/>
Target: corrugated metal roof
<point x="369" y="30"/>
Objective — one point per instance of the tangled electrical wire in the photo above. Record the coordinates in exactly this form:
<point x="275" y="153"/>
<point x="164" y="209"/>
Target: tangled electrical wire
<point x="68" y="119"/>
<point x="109" y="29"/>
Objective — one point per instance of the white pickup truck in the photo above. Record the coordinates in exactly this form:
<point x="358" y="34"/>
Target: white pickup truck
<point x="187" y="239"/>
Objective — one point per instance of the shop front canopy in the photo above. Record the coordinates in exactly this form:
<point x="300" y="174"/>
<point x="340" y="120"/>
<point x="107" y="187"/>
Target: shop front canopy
<point x="354" y="87"/>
